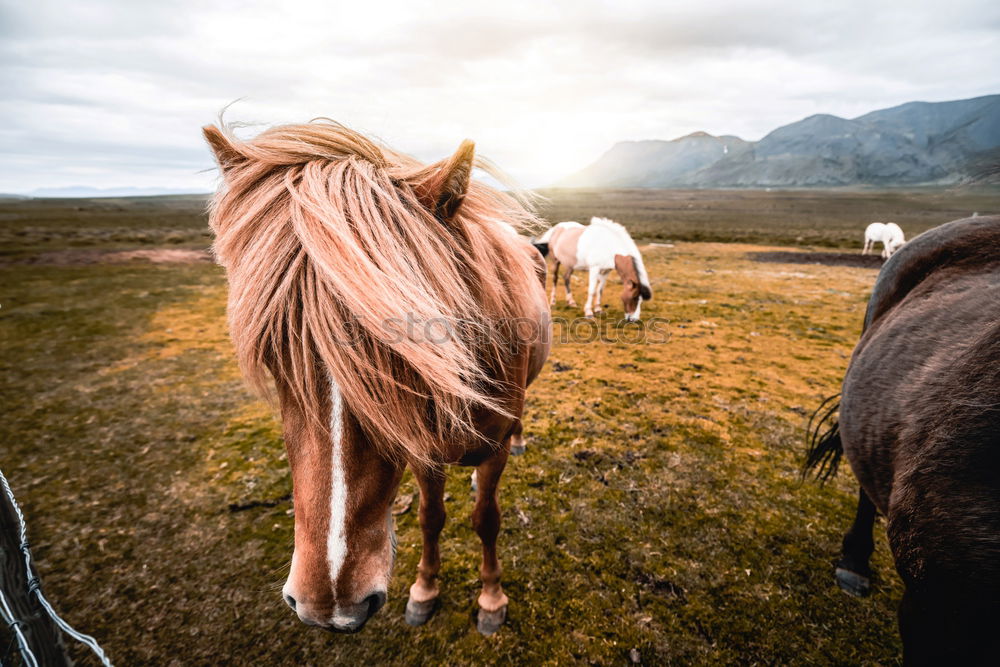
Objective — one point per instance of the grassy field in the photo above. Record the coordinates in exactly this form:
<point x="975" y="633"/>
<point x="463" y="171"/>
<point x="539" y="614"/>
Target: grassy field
<point x="657" y="513"/>
<point x="832" y="218"/>
<point x="31" y="226"/>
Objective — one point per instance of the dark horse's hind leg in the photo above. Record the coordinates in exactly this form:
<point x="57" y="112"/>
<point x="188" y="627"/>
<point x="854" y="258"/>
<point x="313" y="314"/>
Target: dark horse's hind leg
<point x="853" y="571"/>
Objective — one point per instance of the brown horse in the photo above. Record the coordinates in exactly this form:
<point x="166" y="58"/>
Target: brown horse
<point x="920" y="425"/>
<point x="400" y="321"/>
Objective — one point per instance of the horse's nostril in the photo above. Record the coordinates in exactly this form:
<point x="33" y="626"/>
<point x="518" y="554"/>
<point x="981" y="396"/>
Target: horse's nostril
<point x="289" y="600"/>
<point x="375" y="602"/>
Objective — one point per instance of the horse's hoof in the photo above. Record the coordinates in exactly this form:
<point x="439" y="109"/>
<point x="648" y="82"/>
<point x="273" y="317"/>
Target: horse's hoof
<point x="517" y="450"/>
<point x="418" y="613"/>
<point x="489" y="622"/>
<point x="853" y="583"/>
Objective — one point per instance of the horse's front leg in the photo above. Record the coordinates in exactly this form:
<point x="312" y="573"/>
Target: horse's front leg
<point x="486" y="521"/>
<point x="602" y="280"/>
<point x="424" y="592"/>
<point x="595" y="275"/>
<point x="517" y="446"/>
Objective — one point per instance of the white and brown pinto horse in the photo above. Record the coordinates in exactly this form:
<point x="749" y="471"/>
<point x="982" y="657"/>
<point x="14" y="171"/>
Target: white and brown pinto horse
<point x="601" y="247"/>
<point x="400" y="325"/>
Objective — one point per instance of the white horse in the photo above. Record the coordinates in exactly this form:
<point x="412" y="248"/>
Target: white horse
<point x="873" y="235"/>
<point x="892" y="239"/>
<point x="600" y="247"/>
<point x="888" y="234"/>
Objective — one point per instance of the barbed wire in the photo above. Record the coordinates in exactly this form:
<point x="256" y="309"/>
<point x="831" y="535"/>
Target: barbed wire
<point x="22" y="643"/>
<point x="34" y="586"/>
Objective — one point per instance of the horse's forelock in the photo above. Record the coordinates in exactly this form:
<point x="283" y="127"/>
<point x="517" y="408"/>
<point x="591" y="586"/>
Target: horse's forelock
<point x="327" y="247"/>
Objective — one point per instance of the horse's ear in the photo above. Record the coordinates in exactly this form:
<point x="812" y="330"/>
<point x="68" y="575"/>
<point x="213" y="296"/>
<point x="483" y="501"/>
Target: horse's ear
<point x="225" y="153"/>
<point x="444" y="190"/>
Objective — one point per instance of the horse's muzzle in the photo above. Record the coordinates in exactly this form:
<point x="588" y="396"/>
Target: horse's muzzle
<point x="343" y="620"/>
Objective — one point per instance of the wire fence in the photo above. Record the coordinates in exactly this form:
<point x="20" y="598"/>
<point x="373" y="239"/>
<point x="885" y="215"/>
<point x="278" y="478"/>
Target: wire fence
<point x="34" y="588"/>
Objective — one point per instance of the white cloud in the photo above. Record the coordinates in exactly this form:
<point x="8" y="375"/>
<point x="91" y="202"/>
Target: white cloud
<point x="113" y="93"/>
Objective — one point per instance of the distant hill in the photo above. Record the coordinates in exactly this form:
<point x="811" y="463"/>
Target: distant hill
<point x="82" y="191"/>
<point x="913" y="144"/>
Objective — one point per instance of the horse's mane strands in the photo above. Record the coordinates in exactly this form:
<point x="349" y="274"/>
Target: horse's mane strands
<point x="328" y="252"/>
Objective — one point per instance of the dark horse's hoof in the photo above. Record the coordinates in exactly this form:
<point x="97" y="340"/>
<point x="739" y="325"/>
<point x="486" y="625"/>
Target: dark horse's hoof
<point x="489" y="622"/>
<point x="418" y="613"/>
<point x="517" y="450"/>
<point x="853" y="583"/>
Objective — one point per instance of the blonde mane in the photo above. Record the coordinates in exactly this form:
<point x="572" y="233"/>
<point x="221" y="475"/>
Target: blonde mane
<point x="330" y="254"/>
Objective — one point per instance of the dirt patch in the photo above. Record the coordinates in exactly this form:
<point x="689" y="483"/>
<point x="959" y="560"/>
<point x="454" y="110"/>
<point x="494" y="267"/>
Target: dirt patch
<point x="825" y="258"/>
<point x="78" y="257"/>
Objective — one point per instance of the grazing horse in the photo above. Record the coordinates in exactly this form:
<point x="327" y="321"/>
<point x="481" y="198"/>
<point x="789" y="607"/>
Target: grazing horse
<point x="919" y="422"/>
<point x="600" y="247"/>
<point x="888" y="234"/>
<point x="873" y="235"/>
<point x="892" y="239"/>
<point x="400" y="325"/>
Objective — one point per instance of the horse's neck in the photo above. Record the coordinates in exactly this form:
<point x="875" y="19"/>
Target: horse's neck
<point x="613" y="242"/>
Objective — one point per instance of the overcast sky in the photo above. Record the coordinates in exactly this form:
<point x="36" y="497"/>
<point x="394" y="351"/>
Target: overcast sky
<point x="112" y="94"/>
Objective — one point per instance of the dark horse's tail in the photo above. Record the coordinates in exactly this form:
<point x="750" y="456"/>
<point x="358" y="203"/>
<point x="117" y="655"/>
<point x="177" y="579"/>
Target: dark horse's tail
<point x="823" y="438"/>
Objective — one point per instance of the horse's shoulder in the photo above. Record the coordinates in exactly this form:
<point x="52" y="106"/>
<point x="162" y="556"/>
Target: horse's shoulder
<point x="969" y="245"/>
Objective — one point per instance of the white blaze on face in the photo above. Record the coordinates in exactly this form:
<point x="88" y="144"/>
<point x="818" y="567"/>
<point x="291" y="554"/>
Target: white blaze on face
<point x="634" y="316"/>
<point x="336" y="541"/>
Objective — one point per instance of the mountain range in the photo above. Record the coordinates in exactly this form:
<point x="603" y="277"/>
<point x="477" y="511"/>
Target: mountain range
<point x="918" y="143"/>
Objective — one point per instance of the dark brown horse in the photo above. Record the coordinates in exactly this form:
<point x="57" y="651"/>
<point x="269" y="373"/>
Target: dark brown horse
<point x="920" y="425"/>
